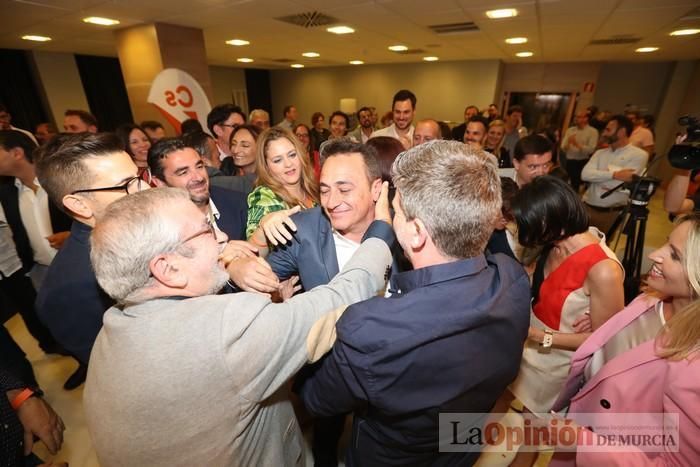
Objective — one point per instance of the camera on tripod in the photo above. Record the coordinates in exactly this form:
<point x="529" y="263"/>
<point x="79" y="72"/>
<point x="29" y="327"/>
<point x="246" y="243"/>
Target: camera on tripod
<point x="686" y="155"/>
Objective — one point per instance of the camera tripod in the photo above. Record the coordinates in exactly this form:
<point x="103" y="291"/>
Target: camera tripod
<point x="632" y="222"/>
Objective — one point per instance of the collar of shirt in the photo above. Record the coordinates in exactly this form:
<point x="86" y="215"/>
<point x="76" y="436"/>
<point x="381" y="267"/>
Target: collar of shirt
<point x="80" y="232"/>
<point x="213" y="211"/>
<point x="21" y="186"/>
<point x="406" y="281"/>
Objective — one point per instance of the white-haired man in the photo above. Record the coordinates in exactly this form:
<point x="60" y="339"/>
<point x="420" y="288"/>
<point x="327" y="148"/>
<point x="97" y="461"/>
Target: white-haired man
<point x="179" y="376"/>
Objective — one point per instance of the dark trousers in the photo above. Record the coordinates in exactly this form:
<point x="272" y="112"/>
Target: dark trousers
<point x="327" y="433"/>
<point x="19" y="290"/>
<point x="574" y="168"/>
<point x="14" y="360"/>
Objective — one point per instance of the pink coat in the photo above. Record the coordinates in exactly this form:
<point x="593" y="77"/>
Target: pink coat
<point x="634" y="382"/>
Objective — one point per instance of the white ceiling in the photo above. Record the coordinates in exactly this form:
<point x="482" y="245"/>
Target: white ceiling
<point x="558" y="30"/>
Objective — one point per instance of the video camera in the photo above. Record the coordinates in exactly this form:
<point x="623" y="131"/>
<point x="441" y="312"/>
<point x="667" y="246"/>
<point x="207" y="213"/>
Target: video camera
<point x="686" y="155"/>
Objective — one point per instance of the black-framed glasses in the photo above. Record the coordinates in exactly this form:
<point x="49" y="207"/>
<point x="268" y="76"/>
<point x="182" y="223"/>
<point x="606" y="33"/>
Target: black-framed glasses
<point x="131" y="186"/>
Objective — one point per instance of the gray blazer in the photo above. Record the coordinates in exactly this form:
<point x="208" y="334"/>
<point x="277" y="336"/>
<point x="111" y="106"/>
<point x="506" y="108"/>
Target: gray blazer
<point x="202" y="381"/>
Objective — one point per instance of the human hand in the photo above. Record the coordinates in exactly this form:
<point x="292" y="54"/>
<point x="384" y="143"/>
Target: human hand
<point x="39" y="419"/>
<point x="289" y="287"/>
<point x="583" y="323"/>
<point x="235" y="249"/>
<point x="278" y="226"/>
<point x="624" y="175"/>
<point x="381" y="207"/>
<point x="56" y="240"/>
<point x="253" y="274"/>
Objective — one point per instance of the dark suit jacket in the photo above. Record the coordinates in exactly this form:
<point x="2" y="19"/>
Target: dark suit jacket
<point x="9" y="197"/>
<point x="450" y="341"/>
<point x="241" y="183"/>
<point x="233" y="211"/>
<point x="70" y="302"/>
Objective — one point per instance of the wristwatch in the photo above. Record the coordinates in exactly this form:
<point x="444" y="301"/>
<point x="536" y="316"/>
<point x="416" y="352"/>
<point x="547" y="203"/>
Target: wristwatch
<point x="546" y="344"/>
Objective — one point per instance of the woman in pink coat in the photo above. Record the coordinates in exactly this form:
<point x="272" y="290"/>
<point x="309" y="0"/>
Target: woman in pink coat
<point x="645" y="360"/>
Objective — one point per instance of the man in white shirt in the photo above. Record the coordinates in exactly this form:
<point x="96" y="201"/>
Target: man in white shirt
<point x="641" y="137"/>
<point x="404" y="109"/>
<point x="608" y="167"/>
<point x="365" y="128"/>
<point x="290" y="117"/>
<point x="578" y="143"/>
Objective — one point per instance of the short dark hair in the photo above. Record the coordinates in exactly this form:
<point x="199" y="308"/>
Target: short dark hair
<point x="86" y="117"/>
<point x="348" y="146"/>
<point x="151" y="125"/>
<point x="514" y="108"/>
<point x="404" y="95"/>
<point x="548" y="210"/>
<point x="479" y="119"/>
<point x="159" y="151"/>
<point x="508" y="191"/>
<point x="387" y="148"/>
<point x="364" y="109"/>
<point x="315" y="117"/>
<point x="286" y="109"/>
<point x="252" y="129"/>
<point x="191" y="125"/>
<point x="60" y="164"/>
<point x="532" y="144"/>
<point x="197" y="140"/>
<point x="342" y="114"/>
<point x="10" y="139"/>
<point x="221" y="113"/>
<point x="623" y="122"/>
<point x="123" y="132"/>
<point x="471" y="107"/>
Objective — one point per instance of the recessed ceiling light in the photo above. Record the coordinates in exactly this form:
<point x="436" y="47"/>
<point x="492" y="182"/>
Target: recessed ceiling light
<point x="685" y="32"/>
<point x="238" y="42"/>
<point x="297" y="65"/>
<point x="311" y="54"/>
<point x="524" y="54"/>
<point x="245" y="60"/>
<point x="516" y="40"/>
<point x="504" y="13"/>
<point x="100" y="21"/>
<point x="398" y="48"/>
<point x="431" y="59"/>
<point x="341" y="30"/>
<point x="36" y="38"/>
<point x="356" y="62"/>
<point x="644" y="50"/>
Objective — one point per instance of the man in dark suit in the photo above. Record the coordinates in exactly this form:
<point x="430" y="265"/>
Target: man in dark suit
<point x="25" y="203"/>
<point x="450" y="337"/>
<point x="174" y="164"/>
<point x="325" y="238"/>
<point x="84" y="174"/>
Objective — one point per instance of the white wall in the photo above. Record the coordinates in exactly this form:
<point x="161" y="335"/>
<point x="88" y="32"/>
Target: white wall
<point x="443" y="89"/>
<point x="60" y="79"/>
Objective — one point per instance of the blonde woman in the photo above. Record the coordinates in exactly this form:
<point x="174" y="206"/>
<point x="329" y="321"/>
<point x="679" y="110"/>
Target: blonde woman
<point x="285" y="184"/>
<point x="645" y="360"/>
<point x="494" y="143"/>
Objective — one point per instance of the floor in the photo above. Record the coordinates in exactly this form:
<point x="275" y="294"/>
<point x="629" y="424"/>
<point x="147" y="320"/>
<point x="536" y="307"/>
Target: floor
<point x="52" y="371"/>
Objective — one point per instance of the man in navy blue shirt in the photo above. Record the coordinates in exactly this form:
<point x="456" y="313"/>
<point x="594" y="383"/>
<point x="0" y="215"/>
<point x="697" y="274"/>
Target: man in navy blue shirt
<point x="450" y="337"/>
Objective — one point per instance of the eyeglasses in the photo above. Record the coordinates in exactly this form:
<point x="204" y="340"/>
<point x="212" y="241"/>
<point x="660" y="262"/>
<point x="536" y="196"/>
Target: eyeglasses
<point x="131" y="186"/>
<point x="209" y="229"/>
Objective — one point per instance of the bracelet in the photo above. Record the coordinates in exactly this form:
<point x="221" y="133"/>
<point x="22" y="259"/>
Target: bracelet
<point x="21" y="398"/>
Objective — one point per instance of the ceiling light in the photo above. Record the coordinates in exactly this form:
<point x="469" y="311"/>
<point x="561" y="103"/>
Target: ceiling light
<point x="398" y="48"/>
<point x="311" y="54"/>
<point x="516" y="40"/>
<point x="238" y="42"/>
<point x="685" y="32"/>
<point x="244" y="60"/>
<point x="297" y="65"/>
<point x="340" y="30"/>
<point x="36" y="38"/>
<point x="431" y="59"/>
<point x="646" y="49"/>
<point x="524" y="54"/>
<point x="504" y="13"/>
<point x="100" y="21"/>
<point x="356" y="62"/>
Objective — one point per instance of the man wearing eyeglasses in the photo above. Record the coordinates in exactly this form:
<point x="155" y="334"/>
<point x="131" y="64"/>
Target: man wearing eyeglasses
<point x="532" y="157"/>
<point x="221" y="121"/>
<point x="83" y="175"/>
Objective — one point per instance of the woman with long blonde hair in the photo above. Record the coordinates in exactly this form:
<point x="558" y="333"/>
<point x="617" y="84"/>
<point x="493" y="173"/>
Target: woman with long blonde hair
<point x="285" y="181"/>
<point x="645" y="361"/>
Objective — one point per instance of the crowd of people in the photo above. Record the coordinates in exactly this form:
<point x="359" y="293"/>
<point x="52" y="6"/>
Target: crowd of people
<point x="224" y="288"/>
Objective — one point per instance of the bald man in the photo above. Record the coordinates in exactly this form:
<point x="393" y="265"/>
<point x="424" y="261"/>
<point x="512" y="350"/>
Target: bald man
<point x="426" y="130"/>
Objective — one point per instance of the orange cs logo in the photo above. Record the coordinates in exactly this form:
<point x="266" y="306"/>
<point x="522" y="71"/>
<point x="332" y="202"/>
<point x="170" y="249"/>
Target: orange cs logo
<point x="182" y="96"/>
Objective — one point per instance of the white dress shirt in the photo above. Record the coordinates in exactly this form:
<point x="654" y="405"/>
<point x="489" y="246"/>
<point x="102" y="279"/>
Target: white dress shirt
<point x="599" y="172"/>
<point x="34" y="210"/>
<point x="391" y="132"/>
